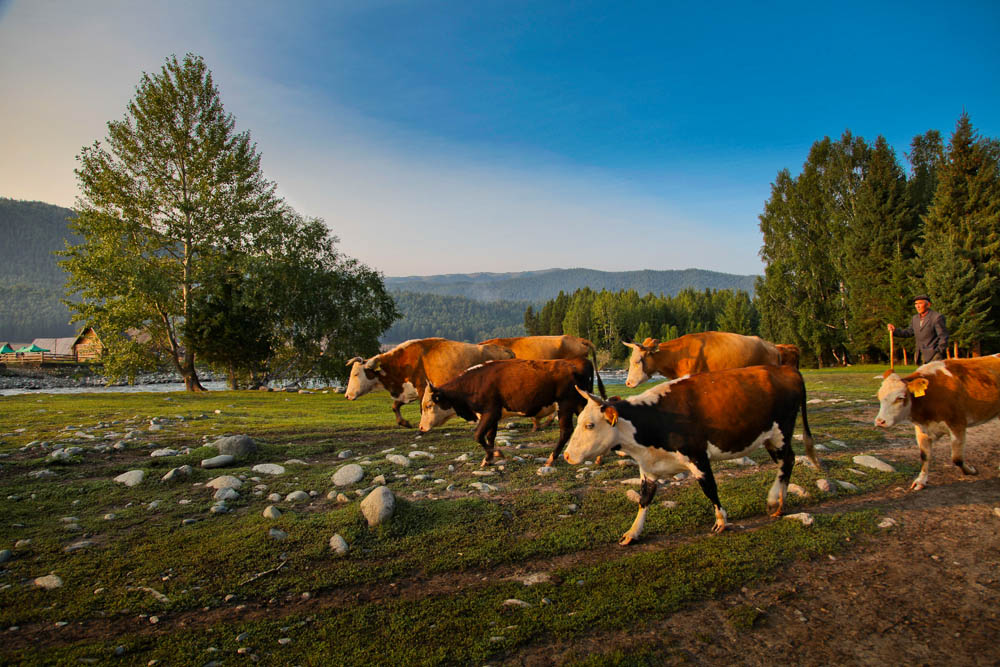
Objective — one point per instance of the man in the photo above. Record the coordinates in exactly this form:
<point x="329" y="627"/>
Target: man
<point x="927" y="326"/>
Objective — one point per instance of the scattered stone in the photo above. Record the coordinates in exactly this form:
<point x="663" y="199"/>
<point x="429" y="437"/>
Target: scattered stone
<point x="417" y="454"/>
<point x="48" y="582"/>
<point x="131" y="478"/>
<point x="821" y="448"/>
<point x="513" y="602"/>
<point x="886" y="523"/>
<point x="545" y="470"/>
<point x="632" y="495"/>
<point x="110" y="517"/>
<point x="840" y="443"/>
<point x="269" y="469"/>
<point x="278" y="535"/>
<point x="219" y="508"/>
<point x="339" y="545"/>
<point x="352" y="473"/>
<point x="847" y="485"/>
<point x="166" y="451"/>
<point x="41" y="474"/>
<point x="462" y="458"/>
<point x="341" y="498"/>
<point x="379" y="481"/>
<point x="797" y="490"/>
<point x="21" y="544"/>
<point x="296" y="462"/>
<point x="536" y="578"/>
<point x="227" y="493"/>
<point x="744" y="461"/>
<point x="483" y="487"/>
<point x="873" y="462"/>
<point x="237" y="446"/>
<point x="272" y="512"/>
<point x="76" y="546"/>
<point x="346" y="454"/>
<point x="378" y="505"/>
<point x="6" y="555"/>
<point x="857" y="472"/>
<point x="824" y="485"/>
<point x="398" y="459"/>
<point x="669" y="504"/>
<point x="479" y="473"/>
<point x="220" y="461"/>
<point x="223" y="482"/>
<point x="804" y="517"/>
<point x="176" y="474"/>
<point x="274" y="498"/>
<point x="285" y="641"/>
<point x="297" y="497"/>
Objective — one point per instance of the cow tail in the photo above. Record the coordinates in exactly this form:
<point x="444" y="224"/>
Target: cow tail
<point x="807" y="438"/>
<point x="597" y="373"/>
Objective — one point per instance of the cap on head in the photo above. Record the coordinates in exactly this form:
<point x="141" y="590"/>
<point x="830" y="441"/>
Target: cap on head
<point x="922" y="297"/>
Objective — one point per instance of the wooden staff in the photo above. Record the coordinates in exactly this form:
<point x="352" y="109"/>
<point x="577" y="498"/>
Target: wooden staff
<point x="892" y="353"/>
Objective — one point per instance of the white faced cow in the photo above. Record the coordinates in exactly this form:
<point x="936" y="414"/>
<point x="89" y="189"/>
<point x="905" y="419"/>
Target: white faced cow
<point x="681" y="425"/>
<point x="942" y="399"/>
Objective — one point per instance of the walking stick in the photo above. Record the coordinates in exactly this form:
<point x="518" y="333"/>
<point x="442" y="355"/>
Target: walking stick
<point x="892" y="353"/>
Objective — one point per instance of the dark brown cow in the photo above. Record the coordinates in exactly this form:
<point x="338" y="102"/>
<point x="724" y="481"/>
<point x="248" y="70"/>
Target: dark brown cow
<point x="681" y="425"/>
<point x="703" y="352"/>
<point x="405" y="369"/>
<point x="524" y="386"/>
<point x="942" y="399"/>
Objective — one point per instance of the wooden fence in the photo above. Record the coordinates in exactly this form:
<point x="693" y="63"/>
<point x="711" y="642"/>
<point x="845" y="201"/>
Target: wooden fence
<point x="36" y="358"/>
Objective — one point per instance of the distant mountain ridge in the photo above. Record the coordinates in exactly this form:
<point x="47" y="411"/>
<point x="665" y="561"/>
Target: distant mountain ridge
<point x="540" y="286"/>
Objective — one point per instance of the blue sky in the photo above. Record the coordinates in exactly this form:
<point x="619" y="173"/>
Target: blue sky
<point x="444" y="137"/>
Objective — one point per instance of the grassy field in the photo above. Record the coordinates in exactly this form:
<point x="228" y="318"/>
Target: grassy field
<point x="161" y="578"/>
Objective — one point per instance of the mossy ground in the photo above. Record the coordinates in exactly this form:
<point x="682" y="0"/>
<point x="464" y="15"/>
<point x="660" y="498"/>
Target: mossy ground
<point x="427" y="588"/>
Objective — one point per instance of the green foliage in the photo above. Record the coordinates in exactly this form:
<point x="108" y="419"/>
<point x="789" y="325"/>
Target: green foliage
<point x="458" y="318"/>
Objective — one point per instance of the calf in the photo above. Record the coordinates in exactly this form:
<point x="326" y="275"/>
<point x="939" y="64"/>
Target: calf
<point x="524" y="386"/>
<point x="679" y="426"/>
<point x="942" y="399"/>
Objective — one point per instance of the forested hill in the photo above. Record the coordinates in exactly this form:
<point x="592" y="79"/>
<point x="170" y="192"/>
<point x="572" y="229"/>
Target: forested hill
<point x="539" y="286"/>
<point x="31" y="281"/>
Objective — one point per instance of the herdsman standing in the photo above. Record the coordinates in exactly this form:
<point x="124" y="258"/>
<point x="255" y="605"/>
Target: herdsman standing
<point x="927" y="326"/>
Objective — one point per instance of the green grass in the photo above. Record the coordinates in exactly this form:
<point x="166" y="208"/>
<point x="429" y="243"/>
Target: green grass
<point x="436" y="535"/>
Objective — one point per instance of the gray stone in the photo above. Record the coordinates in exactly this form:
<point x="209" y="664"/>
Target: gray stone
<point x="224" y="482"/>
<point x="236" y="445"/>
<point x="804" y="517"/>
<point x="379" y="481"/>
<point x="824" y="485"/>
<point x="76" y="546"/>
<point x="352" y="473"/>
<point x="131" y="478"/>
<point x="227" y="493"/>
<point x="220" y="461"/>
<point x="42" y="474"/>
<point x="48" y="582"/>
<point x="346" y="454"/>
<point x="297" y="497"/>
<point x="175" y="474"/>
<point x="417" y="454"/>
<point x="872" y="462"/>
<point x="272" y="512"/>
<point x="269" y="469"/>
<point x="296" y="462"/>
<point x="6" y="555"/>
<point x="218" y="508"/>
<point x="847" y="485"/>
<point x="274" y="498"/>
<point x="545" y="470"/>
<point x="483" y="487"/>
<point x="378" y="505"/>
<point x="514" y="602"/>
<point x="797" y="490"/>
<point x="398" y="459"/>
<point x="339" y="545"/>
<point x="277" y="534"/>
<point x="166" y="451"/>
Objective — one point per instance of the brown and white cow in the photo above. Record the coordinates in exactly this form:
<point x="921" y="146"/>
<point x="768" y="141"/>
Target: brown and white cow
<point x="522" y="386"/>
<point x="942" y="399"/>
<point x="546" y="347"/>
<point x="683" y="424"/>
<point x="405" y="369"/>
<point x="703" y="352"/>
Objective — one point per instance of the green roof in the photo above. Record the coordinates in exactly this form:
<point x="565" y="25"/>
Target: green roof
<point x="32" y="348"/>
<point x="6" y="349"/>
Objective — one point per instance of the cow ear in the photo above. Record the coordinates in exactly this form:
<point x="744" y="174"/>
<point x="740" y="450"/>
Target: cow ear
<point x="917" y="386"/>
<point x="888" y="372"/>
<point x="650" y="342"/>
<point x="610" y="414"/>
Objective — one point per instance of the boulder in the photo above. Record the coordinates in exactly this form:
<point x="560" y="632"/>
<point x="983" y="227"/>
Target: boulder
<point x="352" y="473"/>
<point x="872" y="462"/>
<point x="378" y="505"/>
<point x="225" y="482"/>
<point x="269" y="469"/>
<point x="339" y="545"/>
<point x="131" y="478"/>
<point x="236" y="445"/>
<point x="220" y="461"/>
<point x="176" y="474"/>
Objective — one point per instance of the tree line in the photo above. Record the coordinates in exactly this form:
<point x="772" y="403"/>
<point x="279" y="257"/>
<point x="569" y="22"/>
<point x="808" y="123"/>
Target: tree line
<point x="454" y="317"/>
<point x="853" y="237"/>
<point x="607" y="318"/>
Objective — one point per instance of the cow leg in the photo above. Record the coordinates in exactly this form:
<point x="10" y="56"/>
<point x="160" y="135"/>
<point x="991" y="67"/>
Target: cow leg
<point x="646" y="493"/>
<point x="565" y="431"/>
<point x="487" y="425"/>
<point x="707" y="481"/>
<point x="399" y="416"/>
<point x="924" y="442"/>
<point x="958" y="451"/>
<point x="776" y="496"/>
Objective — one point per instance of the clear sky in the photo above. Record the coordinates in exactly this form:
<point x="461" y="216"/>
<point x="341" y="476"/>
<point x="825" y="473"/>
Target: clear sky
<point x="452" y="137"/>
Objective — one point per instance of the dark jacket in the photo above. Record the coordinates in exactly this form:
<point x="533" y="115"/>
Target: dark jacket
<point x="932" y="336"/>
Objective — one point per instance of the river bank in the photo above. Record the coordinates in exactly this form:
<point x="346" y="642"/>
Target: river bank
<point x="81" y="378"/>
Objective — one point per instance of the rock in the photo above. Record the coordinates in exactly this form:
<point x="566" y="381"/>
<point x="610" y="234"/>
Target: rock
<point x="398" y="459"/>
<point x="218" y="508"/>
<point x="669" y="504"/>
<point x="220" y="461"/>
<point x="237" y="446"/>
<point x="277" y="534"/>
<point x="847" y="485"/>
<point x="804" y="517"/>
<point x="296" y="462"/>
<point x="797" y="490"/>
<point x="462" y="458"/>
<point x="545" y="470"/>
<point x="176" y="474"/>
<point x="269" y="469"/>
<point x="632" y="495"/>
<point x="513" y="602"/>
<point x="346" y="454"/>
<point x="224" y="482"/>
<point x="378" y="505"/>
<point x="76" y="546"/>
<point x="341" y="498"/>
<point x="873" y="462"/>
<point x="824" y="485"/>
<point x="476" y="473"/>
<point x="483" y="487"/>
<point x="274" y="498"/>
<point x="536" y="578"/>
<point x="886" y="523"/>
<point x="379" y="481"/>
<point x="166" y="451"/>
<point x="227" y="493"/>
<point x="744" y="461"/>
<point x="352" y="473"/>
<point x="48" y="582"/>
<point x="417" y="454"/>
<point x="131" y="478"/>
<point x="297" y="497"/>
<point x="339" y="545"/>
<point x="272" y="512"/>
<point x="6" y="555"/>
<point x="41" y="474"/>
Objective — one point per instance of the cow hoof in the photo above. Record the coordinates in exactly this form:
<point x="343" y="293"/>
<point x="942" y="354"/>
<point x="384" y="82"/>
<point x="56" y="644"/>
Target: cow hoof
<point x="499" y="454"/>
<point x="718" y="528"/>
<point x="551" y="460"/>
<point x="916" y="486"/>
<point x="626" y="540"/>
<point x="969" y="470"/>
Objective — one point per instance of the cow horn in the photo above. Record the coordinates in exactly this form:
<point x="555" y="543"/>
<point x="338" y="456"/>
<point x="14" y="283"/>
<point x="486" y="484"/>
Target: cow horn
<point x="351" y="362"/>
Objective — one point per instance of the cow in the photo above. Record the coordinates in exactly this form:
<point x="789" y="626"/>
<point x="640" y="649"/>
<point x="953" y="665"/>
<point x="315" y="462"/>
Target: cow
<point x="524" y="386"/>
<point x="405" y="369"/>
<point x="942" y="399"/>
<point x="546" y="347"/>
<point x="683" y="424"/>
<point x="701" y="352"/>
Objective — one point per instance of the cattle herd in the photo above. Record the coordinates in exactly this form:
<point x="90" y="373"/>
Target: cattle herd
<point x="725" y="396"/>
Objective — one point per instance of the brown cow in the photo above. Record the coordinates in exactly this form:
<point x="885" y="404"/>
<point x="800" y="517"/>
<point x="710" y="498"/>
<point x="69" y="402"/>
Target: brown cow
<point x="942" y="399"/>
<point x="681" y="425"/>
<point x="523" y="386"/>
<point x="546" y="347"/>
<point x="702" y="352"/>
<point x="405" y="369"/>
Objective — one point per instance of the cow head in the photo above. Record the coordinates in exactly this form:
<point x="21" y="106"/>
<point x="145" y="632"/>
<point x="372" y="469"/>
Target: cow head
<point x="365" y="377"/>
<point x="596" y="430"/>
<point x="435" y="408"/>
<point x="638" y="363"/>
<point x="895" y="398"/>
